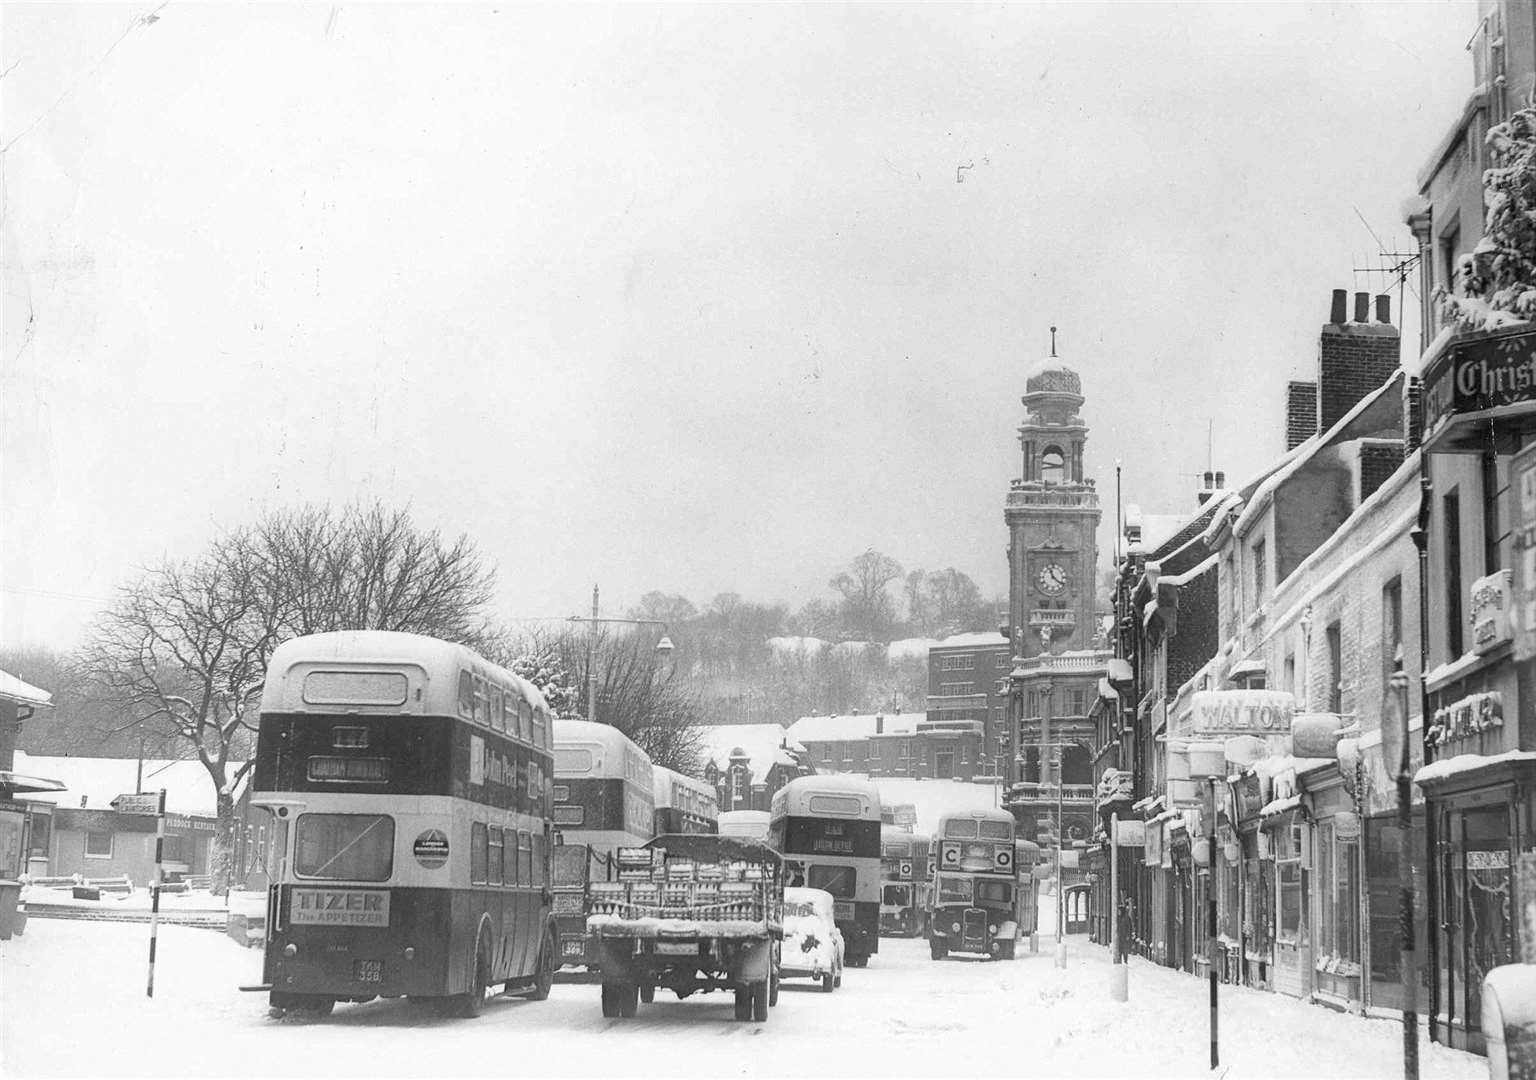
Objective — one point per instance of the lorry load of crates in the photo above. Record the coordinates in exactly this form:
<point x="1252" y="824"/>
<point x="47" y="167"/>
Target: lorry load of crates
<point x="689" y="913"/>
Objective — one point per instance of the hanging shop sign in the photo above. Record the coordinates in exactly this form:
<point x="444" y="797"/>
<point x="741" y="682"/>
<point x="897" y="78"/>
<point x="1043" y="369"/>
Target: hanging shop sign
<point x="1491" y="602"/>
<point x="1153" y="849"/>
<point x="1223" y="713"/>
<point x="1249" y="792"/>
<point x="1316" y="735"/>
<point x="1472" y="714"/>
<point x="1477" y="373"/>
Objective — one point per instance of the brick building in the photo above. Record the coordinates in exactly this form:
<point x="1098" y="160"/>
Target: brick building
<point x="893" y="744"/>
<point x="968" y="686"/>
<point x="748" y="763"/>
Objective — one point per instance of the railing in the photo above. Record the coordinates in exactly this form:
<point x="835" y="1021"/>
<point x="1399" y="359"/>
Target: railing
<point x="1070" y="793"/>
<point x="1047" y="617"/>
<point x="1087" y="660"/>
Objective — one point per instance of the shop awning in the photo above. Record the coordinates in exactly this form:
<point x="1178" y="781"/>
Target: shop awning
<point x="16" y="784"/>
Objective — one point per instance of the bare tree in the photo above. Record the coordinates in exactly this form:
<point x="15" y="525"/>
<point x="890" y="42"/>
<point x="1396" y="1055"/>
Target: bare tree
<point x="643" y="697"/>
<point x="867" y="609"/>
<point x="186" y="645"/>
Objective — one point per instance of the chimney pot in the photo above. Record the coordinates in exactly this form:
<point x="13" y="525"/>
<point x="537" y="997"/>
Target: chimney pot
<point x="1339" y="313"/>
<point x="1383" y="308"/>
<point x="1210" y="480"/>
<point x="1221" y="479"/>
<point x="1362" y="307"/>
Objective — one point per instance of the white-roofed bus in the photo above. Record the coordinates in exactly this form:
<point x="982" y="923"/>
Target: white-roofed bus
<point x="683" y="804"/>
<point x="975" y="876"/>
<point x="603" y="800"/>
<point x="409" y="783"/>
<point x="828" y="829"/>
<point x="752" y="824"/>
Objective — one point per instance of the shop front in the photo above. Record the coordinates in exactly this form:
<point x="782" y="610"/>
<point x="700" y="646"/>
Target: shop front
<point x="1336" y="894"/>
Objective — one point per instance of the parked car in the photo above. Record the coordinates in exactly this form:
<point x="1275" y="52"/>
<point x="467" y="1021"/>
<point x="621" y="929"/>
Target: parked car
<point x="813" y="946"/>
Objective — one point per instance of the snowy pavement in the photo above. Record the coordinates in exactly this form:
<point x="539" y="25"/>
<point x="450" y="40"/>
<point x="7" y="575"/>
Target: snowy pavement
<point x="72" y="1003"/>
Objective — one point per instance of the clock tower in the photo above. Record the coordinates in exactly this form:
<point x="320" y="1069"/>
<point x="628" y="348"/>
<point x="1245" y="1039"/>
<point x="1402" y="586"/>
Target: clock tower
<point x="1052" y="515"/>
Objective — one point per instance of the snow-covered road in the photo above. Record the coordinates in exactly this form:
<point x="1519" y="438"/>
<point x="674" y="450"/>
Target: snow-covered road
<point x="72" y="1003"/>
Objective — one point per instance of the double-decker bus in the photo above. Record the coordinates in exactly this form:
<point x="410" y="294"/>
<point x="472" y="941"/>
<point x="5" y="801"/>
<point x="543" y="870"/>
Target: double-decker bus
<point x="683" y="804"/>
<point x="604" y="788"/>
<point x="604" y="799"/>
<point x="409" y="783"/>
<point x="904" y="882"/>
<point x="975" y="876"/>
<point x="828" y="829"/>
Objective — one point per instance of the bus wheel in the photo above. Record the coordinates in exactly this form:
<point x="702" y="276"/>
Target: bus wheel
<point x="310" y="1006"/>
<point x="610" y="1000"/>
<point x="647" y="993"/>
<point x="773" y="991"/>
<point x="1005" y="950"/>
<point x="546" y="974"/>
<point x="826" y="983"/>
<point x="629" y="999"/>
<point x="760" y="1001"/>
<point x="938" y="948"/>
<point x="743" y="1003"/>
<point x="472" y="1004"/>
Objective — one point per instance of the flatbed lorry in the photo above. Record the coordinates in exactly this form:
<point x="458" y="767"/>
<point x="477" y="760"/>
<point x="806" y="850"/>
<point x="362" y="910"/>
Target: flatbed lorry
<point x="690" y="913"/>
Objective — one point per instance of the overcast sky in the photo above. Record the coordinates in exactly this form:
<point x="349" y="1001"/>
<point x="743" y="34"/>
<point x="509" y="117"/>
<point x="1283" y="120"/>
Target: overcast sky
<point x="690" y="298"/>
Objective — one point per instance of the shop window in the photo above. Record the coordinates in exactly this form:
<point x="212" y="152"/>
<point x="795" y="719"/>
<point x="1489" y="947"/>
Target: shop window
<point x="98" y="845"/>
<point x="1288" y="870"/>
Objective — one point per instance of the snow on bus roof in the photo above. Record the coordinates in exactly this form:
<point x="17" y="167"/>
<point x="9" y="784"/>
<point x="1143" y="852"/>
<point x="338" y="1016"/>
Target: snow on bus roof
<point x="935" y="798"/>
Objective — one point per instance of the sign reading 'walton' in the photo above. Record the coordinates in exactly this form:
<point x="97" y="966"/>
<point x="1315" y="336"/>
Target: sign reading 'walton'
<point x="1240" y="712"/>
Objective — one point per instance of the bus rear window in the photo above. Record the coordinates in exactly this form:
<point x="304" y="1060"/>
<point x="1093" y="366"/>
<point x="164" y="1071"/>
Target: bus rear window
<point x="354" y="688"/>
<point x="566" y="814"/>
<point x="996" y="830"/>
<point x="344" y="847"/>
<point x="835" y="805"/>
<point x="837" y="880"/>
<point x="895" y="895"/>
<point x="960" y="830"/>
<point x="572" y="761"/>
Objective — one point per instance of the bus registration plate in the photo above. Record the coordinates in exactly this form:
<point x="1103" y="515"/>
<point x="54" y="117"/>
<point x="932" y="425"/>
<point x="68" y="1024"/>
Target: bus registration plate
<point x="677" y="948"/>
<point x="339" y="907"/>
<point x="368" y="971"/>
<point x="842" y="909"/>
<point x="573" y="946"/>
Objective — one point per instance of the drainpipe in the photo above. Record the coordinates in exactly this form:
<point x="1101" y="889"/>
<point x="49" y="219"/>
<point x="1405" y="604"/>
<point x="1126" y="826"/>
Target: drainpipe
<point x="1420" y="537"/>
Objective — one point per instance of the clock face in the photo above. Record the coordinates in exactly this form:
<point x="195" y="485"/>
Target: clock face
<point x="1053" y="578"/>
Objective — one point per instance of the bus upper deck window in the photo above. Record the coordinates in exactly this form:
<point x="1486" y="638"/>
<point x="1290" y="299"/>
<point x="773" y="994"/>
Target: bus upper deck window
<point x="498" y="716"/>
<point x="466" y="695"/>
<point x="960" y="830"/>
<point x="996" y="830"/>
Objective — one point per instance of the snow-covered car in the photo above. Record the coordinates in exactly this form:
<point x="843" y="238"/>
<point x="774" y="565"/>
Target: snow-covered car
<point x="813" y="946"/>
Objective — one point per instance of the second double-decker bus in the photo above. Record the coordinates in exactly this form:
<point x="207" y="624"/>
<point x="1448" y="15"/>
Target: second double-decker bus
<point x="752" y="824"/>
<point x="409" y="784"/>
<point x="604" y="788"/>
<point x="683" y="804"/>
<point x="904" y="882"/>
<point x="828" y="829"/>
<point x="975" y="875"/>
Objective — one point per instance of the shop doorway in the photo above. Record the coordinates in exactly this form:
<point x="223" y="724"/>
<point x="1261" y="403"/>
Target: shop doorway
<point x="1476" y="915"/>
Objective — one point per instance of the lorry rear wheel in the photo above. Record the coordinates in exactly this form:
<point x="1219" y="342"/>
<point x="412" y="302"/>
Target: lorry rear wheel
<point x="610" y="1000"/>
<point x="743" y="1003"/>
<point x="773" y="991"/>
<point x="647" y="993"/>
<point x="760" y="1001"/>
<point x="938" y="948"/>
<point x="629" y="1000"/>
<point x="826" y="983"/>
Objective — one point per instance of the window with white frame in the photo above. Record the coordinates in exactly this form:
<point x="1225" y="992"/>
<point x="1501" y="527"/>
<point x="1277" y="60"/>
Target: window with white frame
<point x="1338" y="871"/>
<point x="98" y="845"/>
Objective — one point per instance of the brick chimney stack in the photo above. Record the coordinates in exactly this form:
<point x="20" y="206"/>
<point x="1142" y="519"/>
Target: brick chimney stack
<point x="1353" y="358"/>
<point x="1300" y="413"/>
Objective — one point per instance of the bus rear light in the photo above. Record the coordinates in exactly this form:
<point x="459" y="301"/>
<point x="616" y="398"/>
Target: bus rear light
<point x="955" y="926"/>
<point x="992" y="929"/>
<point x="290" y="950"/>
<point x="410" y="952"/>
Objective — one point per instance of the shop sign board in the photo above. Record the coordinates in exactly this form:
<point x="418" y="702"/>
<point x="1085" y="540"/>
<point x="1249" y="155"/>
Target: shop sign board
<point x="1224" y="713"/>
<point x="1130" y="833"/>
<point x="1491" y="600"/>
<point x="1480" y="373"/>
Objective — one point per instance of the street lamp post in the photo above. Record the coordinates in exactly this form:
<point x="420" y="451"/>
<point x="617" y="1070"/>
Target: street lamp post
<point x="1395" y="727"/>
<point x="663" y="647"/>
<point x="1210" y="905"/>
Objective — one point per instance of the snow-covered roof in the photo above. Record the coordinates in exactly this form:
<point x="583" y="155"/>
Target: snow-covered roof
<point x="860" y="726"/>
<point x="915" y="648"/>
<point x="763" y="744"/>
<point x="1463" y="763"/>
<point x="188" y="787"/>
<point x="14" y="689"/>
<point x="808" y="645"/>
<point x="972" y="640"/>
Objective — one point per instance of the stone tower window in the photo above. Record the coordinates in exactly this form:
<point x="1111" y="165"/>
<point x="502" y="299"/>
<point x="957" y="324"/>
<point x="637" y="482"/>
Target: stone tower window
<point x="1052" y="465"/>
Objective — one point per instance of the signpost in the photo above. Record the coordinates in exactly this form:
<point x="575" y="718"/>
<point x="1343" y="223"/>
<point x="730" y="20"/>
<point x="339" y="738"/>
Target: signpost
<point x="149" y="803"/>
